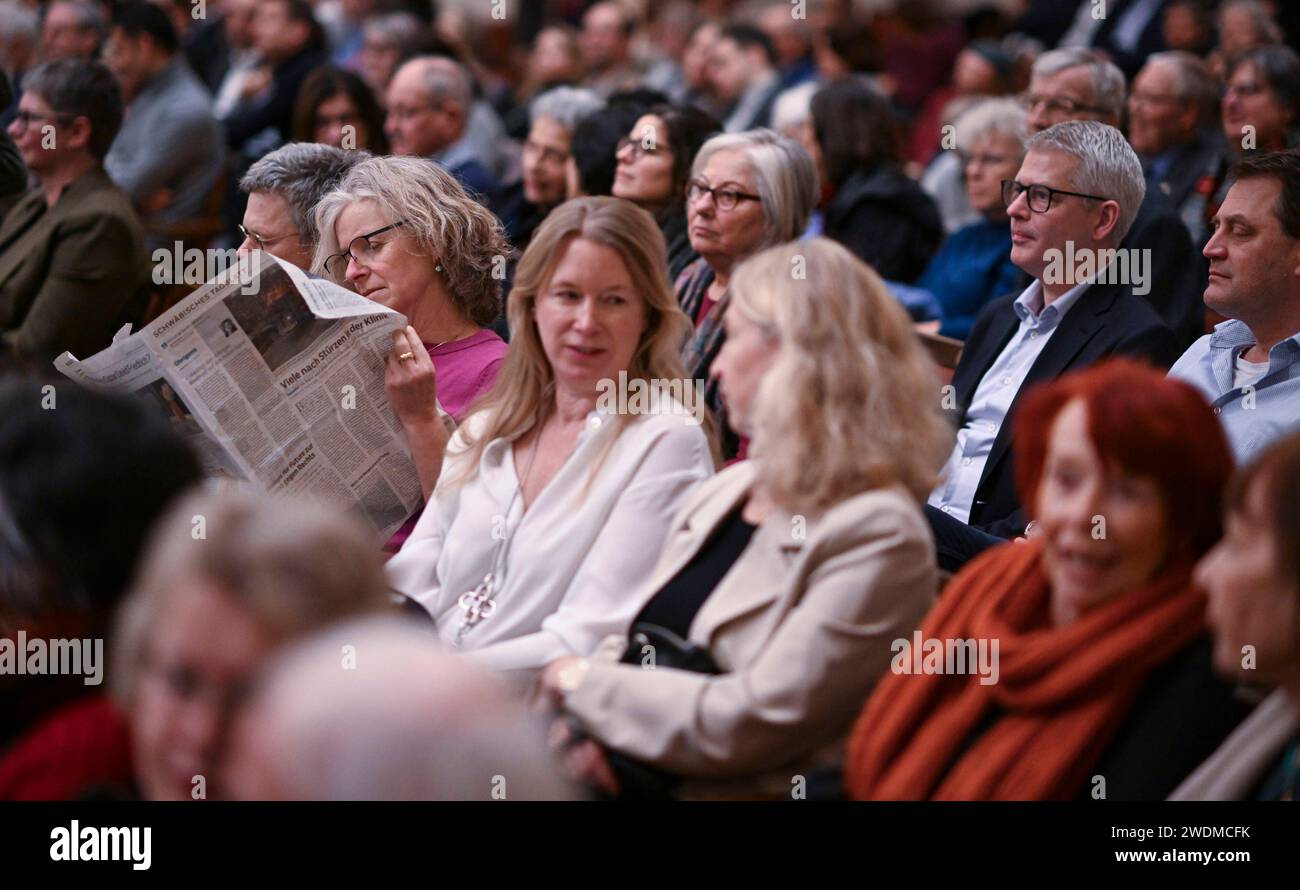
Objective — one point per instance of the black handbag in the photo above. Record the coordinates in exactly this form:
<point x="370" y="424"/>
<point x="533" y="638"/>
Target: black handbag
<point x="652" y="646"/>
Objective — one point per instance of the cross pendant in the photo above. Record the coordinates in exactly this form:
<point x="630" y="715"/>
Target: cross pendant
<point x="476" y="605"/>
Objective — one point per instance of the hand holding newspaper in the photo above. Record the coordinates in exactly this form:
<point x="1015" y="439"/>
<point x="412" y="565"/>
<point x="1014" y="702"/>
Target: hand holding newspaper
<point x="276" y="378"/>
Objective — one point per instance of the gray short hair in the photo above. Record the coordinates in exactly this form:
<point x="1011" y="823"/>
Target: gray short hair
<point x="1108" y="86"/>
<point x="1195" y="81"/>
<point x="301" y="173"/>
<point x="18" y="22"/>
<point x="794" y="106"/>
<point x="1108" y="166"/>
<point x="465" y="236"/>
<point x="784" y="174"/>
<point x="567" y="106"/>
<point x="1267" y="31"/>
<point x="989" y="117"/>
<point x="445" y="80"/>
<point x="88" y="16"/>
<point x="400" y="30"/>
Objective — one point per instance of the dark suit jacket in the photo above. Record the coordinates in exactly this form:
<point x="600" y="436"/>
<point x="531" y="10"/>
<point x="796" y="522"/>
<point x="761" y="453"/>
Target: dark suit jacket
<point x="1106" y="320"/>
<point x="1178" y="271"/>
<point x="70" y="274"/>
<point x="1192" y="162"/>
<point x="275" y="109"/>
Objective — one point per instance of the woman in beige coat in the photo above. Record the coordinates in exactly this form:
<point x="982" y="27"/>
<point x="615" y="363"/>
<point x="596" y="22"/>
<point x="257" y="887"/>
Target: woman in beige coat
<point x="796" y="571"/>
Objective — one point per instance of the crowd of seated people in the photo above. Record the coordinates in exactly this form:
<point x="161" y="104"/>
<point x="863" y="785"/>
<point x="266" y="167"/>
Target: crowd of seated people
<point x="951" y="330"/>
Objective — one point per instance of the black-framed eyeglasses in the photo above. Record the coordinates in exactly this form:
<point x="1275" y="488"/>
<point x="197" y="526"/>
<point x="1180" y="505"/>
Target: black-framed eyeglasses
<point x="259" y="240"/>
<point x="24" y="119"/>
<point x="638" y="148"/>
<point x="725" y="198"/>
<point x="1057" y="104"/>
<point x="1039" y="196"/>
<point x="362" y="249"/>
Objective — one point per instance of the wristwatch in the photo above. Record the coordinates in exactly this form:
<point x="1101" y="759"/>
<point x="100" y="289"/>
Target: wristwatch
<point x="569" y="677"/>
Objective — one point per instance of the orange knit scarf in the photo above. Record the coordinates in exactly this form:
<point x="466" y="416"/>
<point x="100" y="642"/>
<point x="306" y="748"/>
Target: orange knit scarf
<point x="1063" y="691"/>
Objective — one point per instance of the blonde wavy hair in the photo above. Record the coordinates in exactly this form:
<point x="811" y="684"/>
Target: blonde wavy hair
<point x="464" y="237"/>
<point x="523" y="395"/>
<point x="852" y="401"/>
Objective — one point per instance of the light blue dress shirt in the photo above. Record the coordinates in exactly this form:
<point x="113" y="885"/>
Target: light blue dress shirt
<point x="993" y="397"/>
<point x="1255" y="415"/>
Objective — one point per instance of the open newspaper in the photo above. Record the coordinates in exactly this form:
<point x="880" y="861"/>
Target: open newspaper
<point x="276" y="378"/>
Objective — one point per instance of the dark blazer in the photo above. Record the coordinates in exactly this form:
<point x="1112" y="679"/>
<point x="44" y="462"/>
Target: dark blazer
<point x="70" y="274"/>
<point x="1106" y="320"/>
<point x="275" y="108"/>
<point x="1178" y="271"/>
<point x="1192" y="162"/>
<point x="888" y="222"/>
<point x="1178" y="720"/>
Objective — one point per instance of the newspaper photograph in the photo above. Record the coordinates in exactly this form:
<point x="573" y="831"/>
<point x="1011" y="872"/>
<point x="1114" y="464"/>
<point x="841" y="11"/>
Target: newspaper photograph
<point x="277" y="379"/>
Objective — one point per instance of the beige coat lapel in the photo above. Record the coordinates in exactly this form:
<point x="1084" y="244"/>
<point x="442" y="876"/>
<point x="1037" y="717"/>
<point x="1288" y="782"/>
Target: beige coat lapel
<point x="711" y="504"/>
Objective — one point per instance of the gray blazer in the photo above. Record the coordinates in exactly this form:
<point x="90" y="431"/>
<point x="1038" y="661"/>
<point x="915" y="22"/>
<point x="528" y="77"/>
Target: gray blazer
<point x="1233" y="771"/>
<point x="802" y="624"/>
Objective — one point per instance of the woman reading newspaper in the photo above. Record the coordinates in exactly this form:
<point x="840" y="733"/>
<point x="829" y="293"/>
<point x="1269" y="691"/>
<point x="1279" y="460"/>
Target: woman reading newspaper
<point x="403" y="232"/>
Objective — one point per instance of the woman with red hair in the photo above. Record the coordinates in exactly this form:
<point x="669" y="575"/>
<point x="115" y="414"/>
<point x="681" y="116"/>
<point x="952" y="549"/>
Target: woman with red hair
<point x="1089" y="670"/>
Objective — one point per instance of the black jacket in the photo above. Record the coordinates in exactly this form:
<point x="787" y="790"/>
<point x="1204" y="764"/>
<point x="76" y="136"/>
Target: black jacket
<point x="885" y="218"/>
<point x="680" y="252"/>
<point x="1178" y="271"/>
<point x="275" y="109"/>
<point x="1106" y="320"/>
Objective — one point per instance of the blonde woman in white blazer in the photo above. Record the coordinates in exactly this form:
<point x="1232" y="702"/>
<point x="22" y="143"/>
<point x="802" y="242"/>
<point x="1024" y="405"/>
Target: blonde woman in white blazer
<point x="817" y="549"/>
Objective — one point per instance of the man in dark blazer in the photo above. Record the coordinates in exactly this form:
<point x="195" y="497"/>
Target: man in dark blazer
<point x="1075" y="84"/>
<point x="73" y="265"/>
<point x="1072" y="202"/>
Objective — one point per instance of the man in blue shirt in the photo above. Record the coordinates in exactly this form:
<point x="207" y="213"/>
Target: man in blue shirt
<point x="1249" y="367"/>
<point x="1075" y="196"/>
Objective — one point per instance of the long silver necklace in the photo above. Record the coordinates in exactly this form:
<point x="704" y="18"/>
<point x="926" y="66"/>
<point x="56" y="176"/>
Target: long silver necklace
<point x="479" y="603"/>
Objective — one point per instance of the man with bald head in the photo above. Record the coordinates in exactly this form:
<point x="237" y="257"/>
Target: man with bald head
<point x="429" y="102"/>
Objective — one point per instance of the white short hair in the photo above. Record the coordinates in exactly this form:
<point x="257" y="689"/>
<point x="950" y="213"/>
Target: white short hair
<point x="1107" y="167"/>
<point x="567" y="106"/>
<point x="794" y="106"/>
<point x="989" y="117"/>
<point x="784" y="174"/>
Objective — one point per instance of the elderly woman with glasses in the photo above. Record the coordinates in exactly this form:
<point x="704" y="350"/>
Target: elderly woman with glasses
<point x="974" y="265"/>
<point x="403" y="232"/>
<point x="654" y="166"/>
<point x="748" y="191"/>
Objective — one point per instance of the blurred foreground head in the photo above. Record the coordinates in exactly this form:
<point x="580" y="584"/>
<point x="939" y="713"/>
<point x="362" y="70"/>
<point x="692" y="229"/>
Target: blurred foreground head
<point x="229" y="578"/>
<point x="376" y="710"/>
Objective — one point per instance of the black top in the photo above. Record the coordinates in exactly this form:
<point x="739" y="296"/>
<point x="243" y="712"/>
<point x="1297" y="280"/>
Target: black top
<point x="1179" y="717"/>
<point x="676" y="603"/>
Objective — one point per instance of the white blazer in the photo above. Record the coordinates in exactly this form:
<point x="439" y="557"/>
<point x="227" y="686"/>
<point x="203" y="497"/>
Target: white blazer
<point x="574" y="563"/>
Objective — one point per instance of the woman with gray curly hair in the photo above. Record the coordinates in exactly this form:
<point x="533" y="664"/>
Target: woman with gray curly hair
<point x="403" y="232"/>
